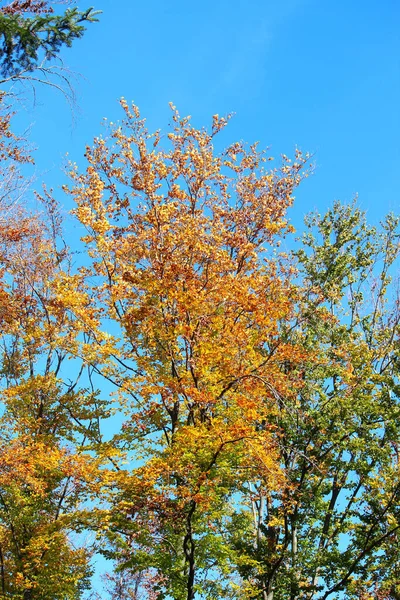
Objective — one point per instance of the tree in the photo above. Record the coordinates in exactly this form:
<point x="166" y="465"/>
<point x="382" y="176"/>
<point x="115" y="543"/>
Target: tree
<point x="182" y="241"/>
<point x="47" y="422"/>
<point x="47" y="475"/>
<point x="28" y="41"/>
<point x="32" y="37"/>
<point x="13" y="153"/>
<point x="334" y="529"/>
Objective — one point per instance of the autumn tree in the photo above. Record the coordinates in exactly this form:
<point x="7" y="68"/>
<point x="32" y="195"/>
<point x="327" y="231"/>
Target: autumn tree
<point x="189" y="297"/>
<point x="47" y="424"/>
<point x="46" y="421"/>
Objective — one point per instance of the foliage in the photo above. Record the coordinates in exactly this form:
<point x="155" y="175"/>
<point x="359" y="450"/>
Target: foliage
<point x="46" y="473"/>
<point x="26" y="41"/>
<point x="181" y="240"/>
<point x="47" y="422"/>
<point x="258" y="456"/>
<point x="334" y="529"/>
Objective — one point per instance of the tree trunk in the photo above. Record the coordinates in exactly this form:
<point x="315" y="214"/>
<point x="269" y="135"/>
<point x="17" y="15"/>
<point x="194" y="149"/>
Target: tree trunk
<point x="189" y="549"/>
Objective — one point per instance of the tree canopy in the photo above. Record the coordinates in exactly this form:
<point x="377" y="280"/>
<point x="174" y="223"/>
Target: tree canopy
<point x="190" y="391"/>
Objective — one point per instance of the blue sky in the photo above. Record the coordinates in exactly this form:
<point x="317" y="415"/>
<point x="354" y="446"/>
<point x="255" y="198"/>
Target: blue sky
<point x="310" y="73"/>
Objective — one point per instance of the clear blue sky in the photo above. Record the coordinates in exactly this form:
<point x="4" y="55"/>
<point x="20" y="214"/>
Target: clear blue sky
<point x="324" y="76"/>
